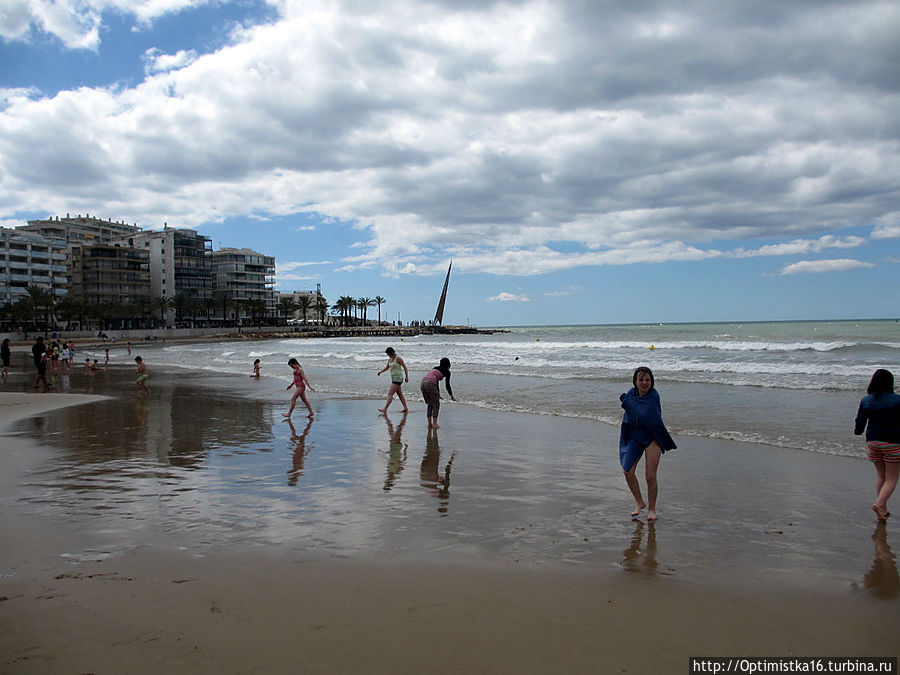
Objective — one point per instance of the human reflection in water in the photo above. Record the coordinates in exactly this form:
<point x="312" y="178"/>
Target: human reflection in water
<point x="882" y="578"/>
<point x="430" y="475"/>
<point x="298" y="444"/>
<point x="396" y="453"/>
<point x="638" y="559"/>
<point x="140" y="412"/>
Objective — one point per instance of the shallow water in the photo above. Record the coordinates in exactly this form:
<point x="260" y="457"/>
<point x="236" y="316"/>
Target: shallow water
<point x="206" y="464"/>
<point x="785" y="384"/>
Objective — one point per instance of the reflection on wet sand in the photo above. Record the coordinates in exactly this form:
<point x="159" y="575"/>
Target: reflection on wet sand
<point x="882" y="578"/>
<point x="430" y="476"/>
<point x="396" y="452"/>
<point x="638" y="558"/>
<point x="177" y="425"/>
<point x="298" y="450"/>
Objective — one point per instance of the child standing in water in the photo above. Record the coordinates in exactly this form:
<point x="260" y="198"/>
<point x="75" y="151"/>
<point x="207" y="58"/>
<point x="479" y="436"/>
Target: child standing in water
<point x="256" y="367"/>
<point x="301" y="383"/>
<point x="142" y="375"/>
<point x="399" y="375"/>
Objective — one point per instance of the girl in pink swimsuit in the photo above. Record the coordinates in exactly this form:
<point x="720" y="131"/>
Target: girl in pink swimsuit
<point x="431" y="393"/>
<point x="301" y="383"/>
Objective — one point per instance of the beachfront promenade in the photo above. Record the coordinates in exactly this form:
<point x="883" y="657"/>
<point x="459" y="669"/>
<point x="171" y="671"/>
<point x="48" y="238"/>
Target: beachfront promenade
<point x="138" y="336"/>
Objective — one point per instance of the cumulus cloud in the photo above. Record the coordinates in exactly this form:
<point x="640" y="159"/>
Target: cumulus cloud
<point x="816" y="266"/>
<point x="508" y="297"/>
<point x="77" y="23"/>
<point x="156" y="61"/>
<point x="519" y="137"/>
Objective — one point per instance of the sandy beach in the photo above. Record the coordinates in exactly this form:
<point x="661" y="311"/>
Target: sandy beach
<point x="192" y="531"/>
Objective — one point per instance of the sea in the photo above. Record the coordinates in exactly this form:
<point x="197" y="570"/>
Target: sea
<point x="794" y="385"/>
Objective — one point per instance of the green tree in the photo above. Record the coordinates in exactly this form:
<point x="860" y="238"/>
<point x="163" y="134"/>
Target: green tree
<point x="379" y="301"/>
<point x="364" y="304"/>
<point x="163" y="303"/>
<point x="321" y="307"/>
<point x="255" y="308"/>
<point x="224" y="302"/>
<point x="303" y="304"/>
<point x="285" y="305"/>
<point x="40" y="299"/>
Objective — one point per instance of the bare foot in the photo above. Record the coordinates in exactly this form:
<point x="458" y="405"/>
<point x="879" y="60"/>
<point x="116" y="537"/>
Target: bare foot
<point x="651" y="516"/>
<point x="382" y="410"/>
<point x="405" y="410"/>
<point x="288" y="415"/>
<point x="311" y="415"/>
<point x="638" y="507"/>
<point x="881" y="512"/>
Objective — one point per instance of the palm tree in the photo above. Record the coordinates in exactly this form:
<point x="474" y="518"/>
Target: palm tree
<point x="364" y="304"/>
<point x="21" y="310"/>
<point x="379" y="301"/>
<point x="344" y="305"/>
<point x="303" y="303"/>
<point x="69" y="308"/>
<point x="223" y="301"/>
<point x="40" y="298"/>
<point x="255" y="308"/>
<point x="163" y="303"/>
<point x="180" y="302"/>
<point x="286" y="305"/>
<point x="321" y="307"/>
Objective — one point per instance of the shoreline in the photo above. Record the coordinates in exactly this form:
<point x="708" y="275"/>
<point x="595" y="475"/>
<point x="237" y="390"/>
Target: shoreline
<point x="258" y="333"/>
<point x="382" y="580"/>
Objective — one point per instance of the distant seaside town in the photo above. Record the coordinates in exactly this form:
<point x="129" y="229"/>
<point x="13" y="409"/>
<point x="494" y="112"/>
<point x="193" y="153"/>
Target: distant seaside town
<point x="85" y="274"/>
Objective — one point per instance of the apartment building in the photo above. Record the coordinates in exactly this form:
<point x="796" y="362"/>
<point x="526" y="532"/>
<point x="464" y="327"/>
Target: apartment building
<point x="181" y="268"/>
<point x="242" y="274"/>
<point x="29" y="259"/>
<point x="80" y="229"/>
<point x="112" y="279"/>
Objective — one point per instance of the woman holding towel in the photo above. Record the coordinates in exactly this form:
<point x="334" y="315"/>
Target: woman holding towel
<point x="642" y="433"/>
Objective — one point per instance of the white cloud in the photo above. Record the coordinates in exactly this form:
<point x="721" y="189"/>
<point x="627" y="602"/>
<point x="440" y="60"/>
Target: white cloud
<point x="498" y="133"/>
<point x="801" y="246"/>
<point x="508" y="297"/>
<point x="156" y="61"/>
<point x="816" y="266"/>
<point x="77" y="23"/>
<point x="288" y="266"/>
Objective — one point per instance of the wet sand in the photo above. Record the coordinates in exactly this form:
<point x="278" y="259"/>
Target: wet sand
<point x="192" y="531"/>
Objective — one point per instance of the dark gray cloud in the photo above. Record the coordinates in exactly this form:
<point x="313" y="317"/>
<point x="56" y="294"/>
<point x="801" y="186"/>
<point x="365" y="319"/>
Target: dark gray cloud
<point x="499" y="128"/>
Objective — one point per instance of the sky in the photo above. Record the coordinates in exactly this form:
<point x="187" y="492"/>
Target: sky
<point x="579" y="161"/>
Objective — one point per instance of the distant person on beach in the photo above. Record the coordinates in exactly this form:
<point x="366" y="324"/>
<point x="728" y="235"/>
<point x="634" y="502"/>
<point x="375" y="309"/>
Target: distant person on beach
<point x="399" y="375"/>
<point x="431" y="392"/>
<point x="142" y="375"/>
<point x="5" y="357"/>
<point x="301" y="383"/>
<point x="642" y="432"/>
<point x="39" y="353"/>
<point x="256" y="367"/>
<point x="879" y="417"/>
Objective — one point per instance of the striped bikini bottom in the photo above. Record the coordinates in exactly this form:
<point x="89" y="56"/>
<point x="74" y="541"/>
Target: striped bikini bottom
<point x="883" y="452"/>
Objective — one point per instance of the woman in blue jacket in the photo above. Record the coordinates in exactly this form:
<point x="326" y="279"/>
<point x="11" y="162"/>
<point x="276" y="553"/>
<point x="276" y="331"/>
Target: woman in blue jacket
<point x="643" y="432"/>
<point x="879" y="416"/>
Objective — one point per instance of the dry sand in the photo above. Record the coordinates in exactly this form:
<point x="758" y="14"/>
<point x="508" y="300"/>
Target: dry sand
<point x="153" y="608"/>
